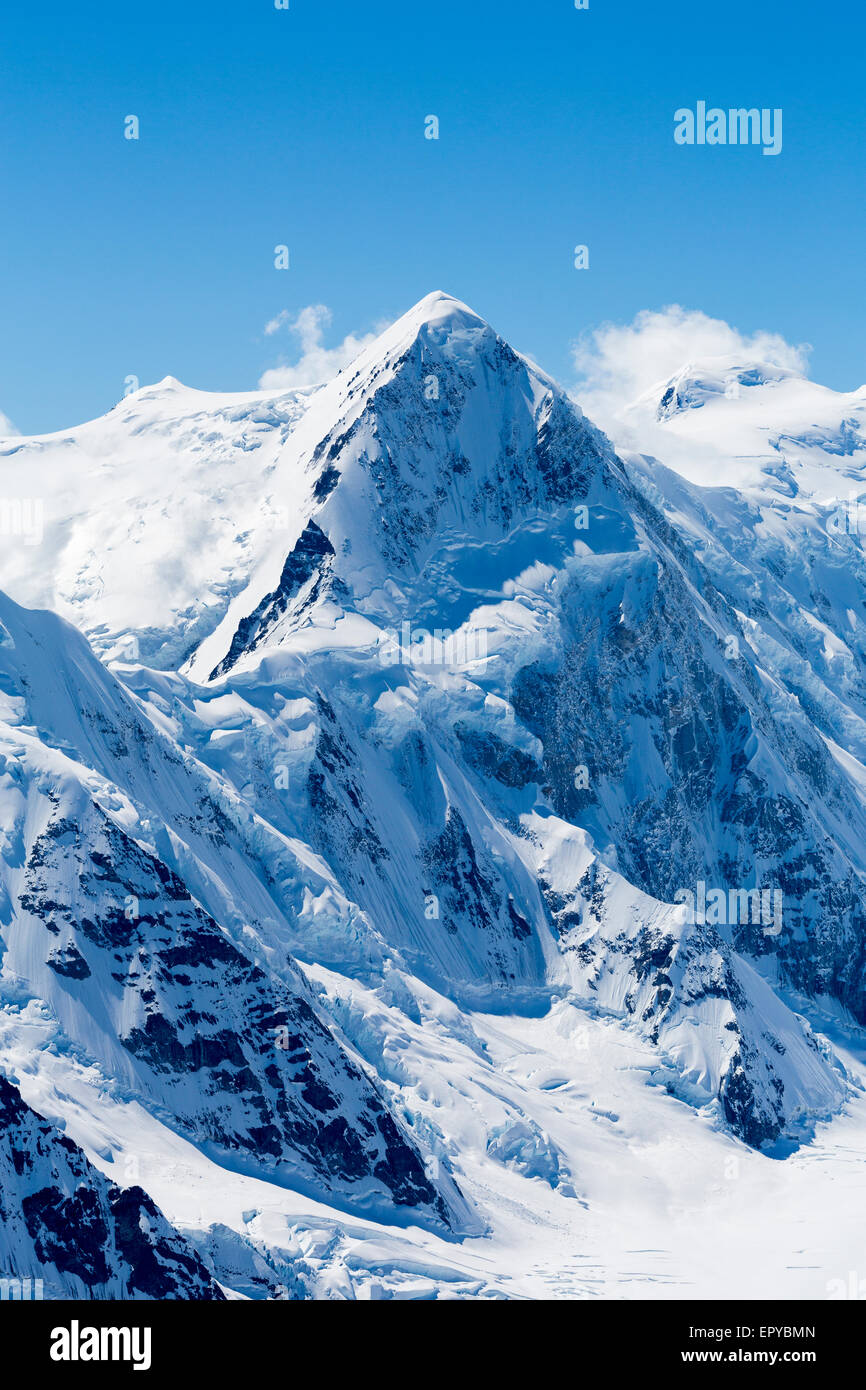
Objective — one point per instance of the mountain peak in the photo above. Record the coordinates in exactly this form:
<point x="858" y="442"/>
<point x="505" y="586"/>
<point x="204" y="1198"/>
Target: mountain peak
<point x="438" y="306"/>
<point x="428" y="459"/>
<point x="434" y="319"/>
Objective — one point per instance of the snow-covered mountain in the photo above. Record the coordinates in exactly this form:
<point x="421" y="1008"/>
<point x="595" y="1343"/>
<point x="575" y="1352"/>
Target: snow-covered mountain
<point x="405" y="720"/>
<point x="65" y="1225"/>
<point x="782" y="541"/>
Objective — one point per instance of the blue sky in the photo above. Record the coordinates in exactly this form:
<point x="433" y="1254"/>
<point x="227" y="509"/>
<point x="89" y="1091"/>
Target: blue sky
<point x="306" y="127"/>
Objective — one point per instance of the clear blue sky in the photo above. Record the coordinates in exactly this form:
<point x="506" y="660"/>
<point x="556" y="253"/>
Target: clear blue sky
<point x="306" y="126"/>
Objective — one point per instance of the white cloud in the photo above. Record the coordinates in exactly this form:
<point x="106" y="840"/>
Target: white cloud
<point x="6" y="425"/>
<point x="273" y="325"/>
<point x="616" y="363"/>
<point x="316" y="362"/>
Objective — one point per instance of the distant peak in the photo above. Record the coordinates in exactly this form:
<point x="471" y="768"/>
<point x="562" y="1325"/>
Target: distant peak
<point x="711" y="378"/>
<point x="168" y="386"/>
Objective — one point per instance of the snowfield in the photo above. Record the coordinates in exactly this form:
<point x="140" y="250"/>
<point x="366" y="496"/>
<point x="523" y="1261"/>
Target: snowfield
<point x="599" y="1184"/>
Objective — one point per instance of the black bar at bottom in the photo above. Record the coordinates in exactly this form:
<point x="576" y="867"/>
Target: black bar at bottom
<point x="256" y="1339"/>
